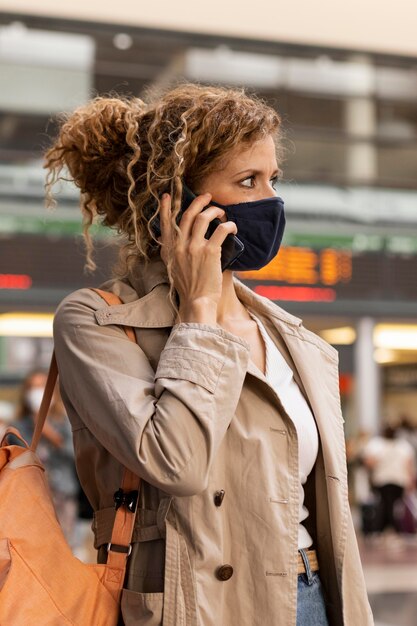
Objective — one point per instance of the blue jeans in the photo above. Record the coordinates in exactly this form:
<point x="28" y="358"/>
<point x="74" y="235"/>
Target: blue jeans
<point x="311" y="607"/>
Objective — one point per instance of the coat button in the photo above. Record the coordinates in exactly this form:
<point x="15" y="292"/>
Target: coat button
<point x="224" y="572"/>
<point x="218" y="497"/>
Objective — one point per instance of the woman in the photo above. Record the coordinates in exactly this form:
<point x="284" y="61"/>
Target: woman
<point x="55" y="447"/>
<point x="244" y="492"/>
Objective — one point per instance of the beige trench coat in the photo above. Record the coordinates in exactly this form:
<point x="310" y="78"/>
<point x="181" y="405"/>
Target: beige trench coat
<point x="189" y="412"/>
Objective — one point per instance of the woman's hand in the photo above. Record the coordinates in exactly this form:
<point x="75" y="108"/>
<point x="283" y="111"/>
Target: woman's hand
<point x="196" y="267"/>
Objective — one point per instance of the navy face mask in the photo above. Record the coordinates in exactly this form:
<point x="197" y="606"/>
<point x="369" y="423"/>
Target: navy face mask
<point x="260" y="227"/>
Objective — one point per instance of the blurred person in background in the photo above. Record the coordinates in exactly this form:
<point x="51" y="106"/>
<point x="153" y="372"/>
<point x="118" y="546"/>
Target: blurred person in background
<point x="361" y="497"/>
<point x="407" y="430"/>
<point x="391" y="462"/>
<point x="243" y="505"/>
<point x="55" y="448"/>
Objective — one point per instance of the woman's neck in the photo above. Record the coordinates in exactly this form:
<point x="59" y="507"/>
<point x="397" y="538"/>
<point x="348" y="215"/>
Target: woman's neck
<point x="230" y="309"/>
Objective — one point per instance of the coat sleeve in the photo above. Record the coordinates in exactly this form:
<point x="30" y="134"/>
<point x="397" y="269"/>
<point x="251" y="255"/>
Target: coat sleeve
<point x="166" y="426"/>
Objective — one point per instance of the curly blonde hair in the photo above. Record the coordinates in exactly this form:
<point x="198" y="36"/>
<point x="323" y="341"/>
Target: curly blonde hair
<point x="123" y="154"/>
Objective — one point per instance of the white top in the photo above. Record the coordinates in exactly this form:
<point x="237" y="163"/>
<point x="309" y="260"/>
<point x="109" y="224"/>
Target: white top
<point x="280" y="376"/>
<point x="392" y="460"/>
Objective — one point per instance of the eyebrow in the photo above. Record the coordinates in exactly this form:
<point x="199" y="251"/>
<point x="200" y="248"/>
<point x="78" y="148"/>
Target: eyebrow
<point x="253" y="171"/>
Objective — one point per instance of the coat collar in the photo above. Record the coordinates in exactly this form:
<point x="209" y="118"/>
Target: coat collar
<point x="144" y="292"/>
<point x="145" y="276"/>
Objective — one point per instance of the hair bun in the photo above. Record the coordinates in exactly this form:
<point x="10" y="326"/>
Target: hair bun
<point x="92" y="141"/>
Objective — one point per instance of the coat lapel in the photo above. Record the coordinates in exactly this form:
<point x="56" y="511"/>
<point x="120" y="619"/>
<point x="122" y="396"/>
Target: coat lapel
<point x="316" y="365"/>
<point x="319" y="375"/>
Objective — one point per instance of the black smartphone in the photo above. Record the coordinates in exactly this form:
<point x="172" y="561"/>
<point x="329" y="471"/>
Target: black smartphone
<point x="232" y="246"/>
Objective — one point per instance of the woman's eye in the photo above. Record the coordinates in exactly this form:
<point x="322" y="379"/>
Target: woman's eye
<point x="248" y="182"/>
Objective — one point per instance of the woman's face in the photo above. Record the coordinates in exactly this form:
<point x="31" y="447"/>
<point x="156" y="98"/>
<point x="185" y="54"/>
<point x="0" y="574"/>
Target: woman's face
<point x="37" y="381"/>
<point x="34" y="391"/>
<point x="246" y="176"/>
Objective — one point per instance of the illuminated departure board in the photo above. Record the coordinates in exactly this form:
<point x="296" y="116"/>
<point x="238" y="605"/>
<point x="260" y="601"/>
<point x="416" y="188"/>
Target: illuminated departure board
<point x="306" y="266"/>
<point x="329" y="274"/>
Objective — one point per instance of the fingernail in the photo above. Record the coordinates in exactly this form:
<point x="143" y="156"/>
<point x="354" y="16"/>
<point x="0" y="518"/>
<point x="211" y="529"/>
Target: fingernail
<point x="164" y="196"/>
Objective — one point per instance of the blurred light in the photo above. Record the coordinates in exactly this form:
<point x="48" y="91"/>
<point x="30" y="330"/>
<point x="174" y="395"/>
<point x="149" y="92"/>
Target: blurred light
<point x="365" y="205"/>
<point x="36" y="47"/>
<point x="45" y="71"/>
<point x="122" y="41"/>
<point x="387" y="339"/>
<point x="303" y="265"/>
<point x="323" y="60"/>
<point x="296" y="294"/>
<point x="16" y="28"/>
<point x="325" y="75"/>
<point x="345" y="383"/>
<point x="344" y="336"/>
<point x="7" y="412"/>
<point x="15" y="281"/>
<point x="382" y="355"/>
<point x="224" y="65"/>
<point x="320" y="75"/>
<point x="396" y="336"/>
<point x="26" y="324"/>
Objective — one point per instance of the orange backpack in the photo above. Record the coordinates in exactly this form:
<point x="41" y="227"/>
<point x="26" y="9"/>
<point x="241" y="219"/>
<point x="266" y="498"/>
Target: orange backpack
<point x="41" y="582"/>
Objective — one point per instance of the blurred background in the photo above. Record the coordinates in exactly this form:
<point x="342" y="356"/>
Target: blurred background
<point x="344" y="79"/>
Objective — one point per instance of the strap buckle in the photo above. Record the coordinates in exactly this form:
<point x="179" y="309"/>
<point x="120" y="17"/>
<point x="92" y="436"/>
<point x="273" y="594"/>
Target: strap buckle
<point x="129" y="499"/>
<point x="115" y="547"/>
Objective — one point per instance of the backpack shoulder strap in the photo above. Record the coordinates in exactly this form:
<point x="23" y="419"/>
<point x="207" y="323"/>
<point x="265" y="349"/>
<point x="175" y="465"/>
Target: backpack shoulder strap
<point x="120" y="546"/>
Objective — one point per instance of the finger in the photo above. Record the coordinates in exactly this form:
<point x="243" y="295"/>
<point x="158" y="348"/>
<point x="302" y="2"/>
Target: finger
<point x="189" y="215"/>
<point x="165" y="218"/>
<point x="221" y="232"/>
<point x="203" y="219"/>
